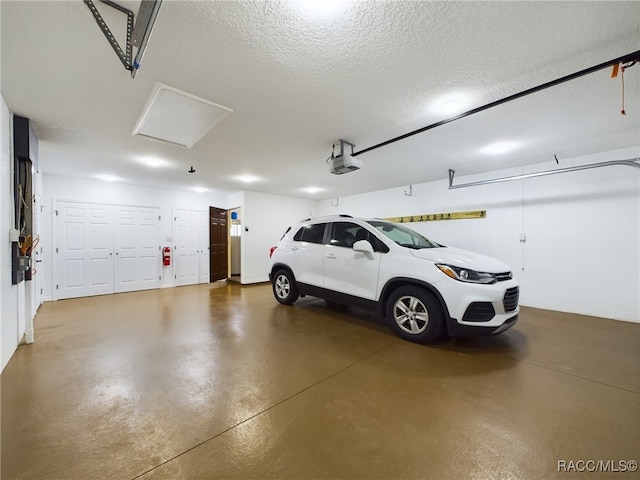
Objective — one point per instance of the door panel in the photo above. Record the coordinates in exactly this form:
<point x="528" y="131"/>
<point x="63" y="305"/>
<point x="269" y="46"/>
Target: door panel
<point x="353" y="273"/>
<point x="85" y="250"/>
<point x="137" y="260"/>
<point x="218" y="243"/>
<point x="305" y="260"/>
<point x="74" y="269"/>
<point x="347" y="271"/>
<point x="305" y="256"/>
<point x="186" y="266"/>
<point x="149" y="250"/>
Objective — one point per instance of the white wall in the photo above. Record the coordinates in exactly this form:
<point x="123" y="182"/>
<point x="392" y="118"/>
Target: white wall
<point x="8" y="308"/>
<point x="267" y="217"/>
<point x="582" y="229"/>
<point x="58" y="189"/>
<point x="12" y="303"/>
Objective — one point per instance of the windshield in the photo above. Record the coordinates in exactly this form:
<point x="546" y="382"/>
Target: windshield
<point x="402" y="235"/>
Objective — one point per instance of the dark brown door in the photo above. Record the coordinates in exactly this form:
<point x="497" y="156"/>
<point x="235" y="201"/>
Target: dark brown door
<point x="218" y="244"/>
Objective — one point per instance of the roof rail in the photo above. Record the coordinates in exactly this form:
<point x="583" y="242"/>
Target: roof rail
<point x="342" y="215"/>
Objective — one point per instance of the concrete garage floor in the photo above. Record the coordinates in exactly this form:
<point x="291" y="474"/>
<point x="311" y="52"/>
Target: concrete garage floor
<point x="220" y="381"/>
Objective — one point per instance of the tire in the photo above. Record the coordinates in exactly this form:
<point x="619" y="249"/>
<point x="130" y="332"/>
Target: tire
<point x="284" y="287"/>
<point x="415" y="314"/>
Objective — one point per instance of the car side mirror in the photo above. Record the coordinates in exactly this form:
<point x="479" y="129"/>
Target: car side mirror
<point x="362" y="246"/>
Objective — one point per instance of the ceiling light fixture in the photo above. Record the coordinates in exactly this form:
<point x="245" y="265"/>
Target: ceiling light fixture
<point x="451" y="103"/>
<point x="153" y="162"/>
<point x="107" y="177"/>
<point x="312" y="190"/>
<point x="500" y="148"/>
<point x="246" y="178"/>
<point x="320" y="8"/>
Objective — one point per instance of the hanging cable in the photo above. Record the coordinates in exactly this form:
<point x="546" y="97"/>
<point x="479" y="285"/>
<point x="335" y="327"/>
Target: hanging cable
<point x="622" y="77"/>
<point x="622" y="69"/>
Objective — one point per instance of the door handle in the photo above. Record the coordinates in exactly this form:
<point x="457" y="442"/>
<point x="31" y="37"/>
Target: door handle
<point x="330" y="255"/>
<point x="294" y="248"/>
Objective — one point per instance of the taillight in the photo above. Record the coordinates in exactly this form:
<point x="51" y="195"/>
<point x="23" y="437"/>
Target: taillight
<point x="271" y="250"/>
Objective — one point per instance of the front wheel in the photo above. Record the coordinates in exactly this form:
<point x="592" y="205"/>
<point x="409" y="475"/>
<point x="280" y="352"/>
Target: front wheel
<point x="415" y="314"/>
<point x="284" y="287"/>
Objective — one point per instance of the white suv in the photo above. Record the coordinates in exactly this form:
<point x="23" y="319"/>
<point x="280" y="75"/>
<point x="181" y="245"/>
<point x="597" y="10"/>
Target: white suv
<point x="426" y="290"/>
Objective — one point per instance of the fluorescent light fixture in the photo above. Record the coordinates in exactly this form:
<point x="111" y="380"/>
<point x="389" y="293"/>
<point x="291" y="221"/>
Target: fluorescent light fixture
<point x="500" y="148"/>
<point x="107" y="177"/>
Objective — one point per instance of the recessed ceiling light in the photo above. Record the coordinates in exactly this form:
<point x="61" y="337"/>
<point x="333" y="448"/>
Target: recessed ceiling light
<point x="451" y="103"/>
<point x="500" y="148"/>
<point x="312" y="190"/>
<point x="320" y="8"/>
<point x="246" y="178"/>
<point x="108" y="177"/>
<point x="153" y="162"/>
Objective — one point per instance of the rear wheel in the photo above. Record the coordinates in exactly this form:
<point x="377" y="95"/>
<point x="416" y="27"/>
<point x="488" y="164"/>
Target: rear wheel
<point x="415" y="314"/>
<point x="284" y="287"/>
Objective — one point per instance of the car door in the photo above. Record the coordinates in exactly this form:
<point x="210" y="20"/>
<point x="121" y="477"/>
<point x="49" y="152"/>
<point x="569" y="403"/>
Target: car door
<point x="305" y="254"/>
<point x="345" y="270"/>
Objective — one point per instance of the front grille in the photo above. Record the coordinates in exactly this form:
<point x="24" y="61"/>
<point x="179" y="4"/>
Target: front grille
<point x="479" y="312"/>
<point x="510" y="300"/>
<point x="504" y="276"/>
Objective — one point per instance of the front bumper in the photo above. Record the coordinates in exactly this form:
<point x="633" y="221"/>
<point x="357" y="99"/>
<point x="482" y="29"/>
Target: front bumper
<point x="458" y="330"/>
<point x="476" y="309"/>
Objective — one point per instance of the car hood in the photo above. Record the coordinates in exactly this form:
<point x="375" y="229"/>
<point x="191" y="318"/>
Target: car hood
<point x="462" y="258"/>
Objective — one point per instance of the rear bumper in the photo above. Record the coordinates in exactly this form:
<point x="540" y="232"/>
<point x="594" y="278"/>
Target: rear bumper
<point x="457" y="330"/>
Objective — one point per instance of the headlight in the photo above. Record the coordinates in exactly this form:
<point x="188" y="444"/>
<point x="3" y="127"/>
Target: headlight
<point x="466" y="275"/>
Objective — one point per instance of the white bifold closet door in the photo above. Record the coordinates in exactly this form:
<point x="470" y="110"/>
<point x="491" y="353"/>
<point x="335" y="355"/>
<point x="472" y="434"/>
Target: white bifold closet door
<point x="105" y="249"/>
<point x="191" y="240"/>
<point x="137" y="249"/>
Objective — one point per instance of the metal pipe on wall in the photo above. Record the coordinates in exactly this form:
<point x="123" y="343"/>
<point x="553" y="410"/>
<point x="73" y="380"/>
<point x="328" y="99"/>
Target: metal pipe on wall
<point x="633" y="162"/>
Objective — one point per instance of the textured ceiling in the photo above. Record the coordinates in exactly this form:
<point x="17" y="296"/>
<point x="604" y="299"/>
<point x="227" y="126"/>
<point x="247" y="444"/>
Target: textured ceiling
<point x="298" y="80"/>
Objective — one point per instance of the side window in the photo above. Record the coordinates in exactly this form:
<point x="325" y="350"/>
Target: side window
<point x="345" y="234"/>
<point x="311" y="233"/>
